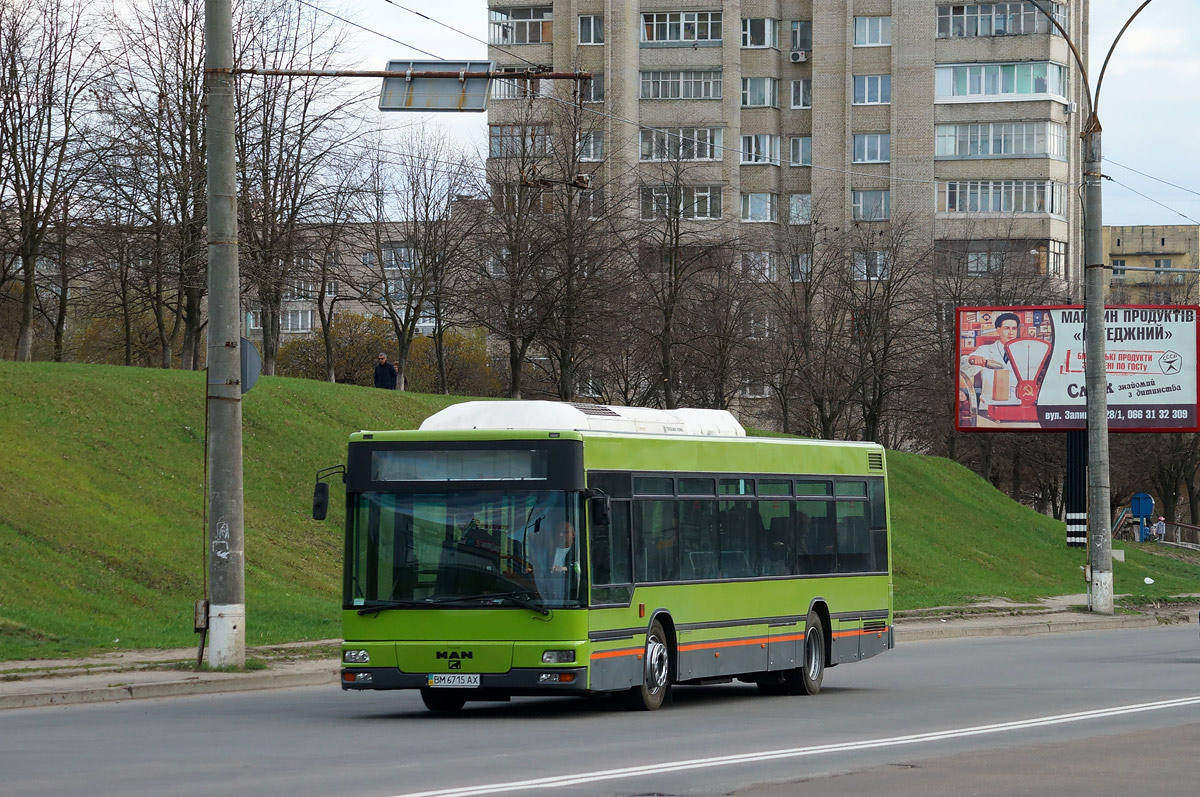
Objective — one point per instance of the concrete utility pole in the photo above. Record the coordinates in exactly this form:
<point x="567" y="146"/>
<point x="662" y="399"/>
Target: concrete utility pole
<point x="226" y="561"/>
<point x="1100" y="583"/>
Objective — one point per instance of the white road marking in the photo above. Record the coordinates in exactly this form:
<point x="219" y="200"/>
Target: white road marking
<point x="560" y="781"/>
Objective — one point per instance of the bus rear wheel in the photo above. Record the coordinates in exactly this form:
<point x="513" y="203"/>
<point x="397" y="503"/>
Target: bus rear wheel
<point x="806" y="679"/>
<point x="443" y="701"/>
<point x="656" y="672"/>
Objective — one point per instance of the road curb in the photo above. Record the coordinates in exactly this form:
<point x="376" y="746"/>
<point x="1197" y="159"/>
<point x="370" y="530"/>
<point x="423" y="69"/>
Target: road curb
<point x="196" y="685"/>
<point x="1029" y="627"/>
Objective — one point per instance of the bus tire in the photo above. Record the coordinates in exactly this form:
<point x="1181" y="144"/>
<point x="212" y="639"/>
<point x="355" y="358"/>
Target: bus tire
<point x="806" y="679"/>
<point x="656" y="672"/>
<point x="443" y="701"/>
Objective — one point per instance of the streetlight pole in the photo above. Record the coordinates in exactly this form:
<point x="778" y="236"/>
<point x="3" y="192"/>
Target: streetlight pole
<point x="1100" y="576"/>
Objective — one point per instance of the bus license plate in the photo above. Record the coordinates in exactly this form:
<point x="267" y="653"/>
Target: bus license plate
<point x="453" y="680"/>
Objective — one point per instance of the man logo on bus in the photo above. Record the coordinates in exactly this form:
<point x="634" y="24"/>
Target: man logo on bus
<point x="455" y="665"/>
<point x="454" y="654"/>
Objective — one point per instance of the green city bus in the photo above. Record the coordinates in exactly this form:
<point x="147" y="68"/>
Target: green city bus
<point x="542" y="548"/>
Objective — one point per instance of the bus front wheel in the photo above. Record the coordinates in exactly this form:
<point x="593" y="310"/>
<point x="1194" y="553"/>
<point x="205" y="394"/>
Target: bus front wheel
<point x="656" y="672"/>
<point x="443" y="701"/>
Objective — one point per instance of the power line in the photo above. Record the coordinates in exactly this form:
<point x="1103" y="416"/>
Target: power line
<point x="461" y="32"/>
<point x="1152" y="177"/>
<point x="1152" y="199"/>
<point x="368" y="30"/>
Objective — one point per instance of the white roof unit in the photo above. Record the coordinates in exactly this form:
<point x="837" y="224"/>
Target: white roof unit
<point x="583" y="418"/>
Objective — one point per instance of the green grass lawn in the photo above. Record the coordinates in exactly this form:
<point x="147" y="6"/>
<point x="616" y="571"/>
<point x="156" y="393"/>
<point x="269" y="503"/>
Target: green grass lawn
<point x="102" y="538"/>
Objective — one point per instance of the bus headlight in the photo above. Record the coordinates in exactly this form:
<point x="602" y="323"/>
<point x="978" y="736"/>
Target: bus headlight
<point x="356" y="657"/>
<point x="558" y="657"/>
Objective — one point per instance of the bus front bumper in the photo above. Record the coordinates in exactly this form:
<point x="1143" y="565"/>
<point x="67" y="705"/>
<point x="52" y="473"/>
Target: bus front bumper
<point x="529" y="681"/>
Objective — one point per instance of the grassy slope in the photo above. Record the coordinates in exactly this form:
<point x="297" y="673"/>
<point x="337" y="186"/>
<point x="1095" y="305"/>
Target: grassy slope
<point x="102" y="538"/>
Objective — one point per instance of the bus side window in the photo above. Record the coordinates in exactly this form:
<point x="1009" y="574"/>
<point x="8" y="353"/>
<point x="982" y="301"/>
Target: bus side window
<point x="610" y="548"/>
<point x="817" y="537"/>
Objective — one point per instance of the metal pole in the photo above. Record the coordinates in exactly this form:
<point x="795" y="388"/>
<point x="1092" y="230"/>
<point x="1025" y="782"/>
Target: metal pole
<point x="1100" y="584"/>
<point x="226" y="566"/>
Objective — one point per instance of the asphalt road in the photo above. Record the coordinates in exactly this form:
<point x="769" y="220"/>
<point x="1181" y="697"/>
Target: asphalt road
<point x="1095" y="713"/>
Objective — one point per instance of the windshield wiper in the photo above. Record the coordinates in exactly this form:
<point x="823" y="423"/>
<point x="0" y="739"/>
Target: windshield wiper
<point x="515" y="597"/>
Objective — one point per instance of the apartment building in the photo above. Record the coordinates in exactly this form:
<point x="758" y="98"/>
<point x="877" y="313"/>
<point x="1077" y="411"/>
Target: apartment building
<point x="1153" y="264"/>
<point x="962" y="120"/>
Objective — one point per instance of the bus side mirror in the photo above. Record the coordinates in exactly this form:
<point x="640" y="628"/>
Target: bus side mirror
<point x="320" y="500"/>
<point x="598" y="508"/>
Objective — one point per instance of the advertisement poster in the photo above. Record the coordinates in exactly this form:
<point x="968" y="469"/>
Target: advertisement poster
<point x="1022" y="368"/>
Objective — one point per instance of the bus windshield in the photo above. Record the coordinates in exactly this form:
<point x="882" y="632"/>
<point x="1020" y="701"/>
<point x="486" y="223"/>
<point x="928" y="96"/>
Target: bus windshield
<point x="464" y="549"/>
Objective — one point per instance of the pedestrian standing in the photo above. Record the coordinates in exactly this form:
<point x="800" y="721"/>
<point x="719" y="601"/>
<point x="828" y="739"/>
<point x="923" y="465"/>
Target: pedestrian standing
<point x="385" y="373"/>
<point x="1160" y="529"/>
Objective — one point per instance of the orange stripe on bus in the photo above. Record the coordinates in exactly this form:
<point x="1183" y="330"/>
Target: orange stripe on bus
<point x="733" y="643"/>
<point x="612" y="654"/>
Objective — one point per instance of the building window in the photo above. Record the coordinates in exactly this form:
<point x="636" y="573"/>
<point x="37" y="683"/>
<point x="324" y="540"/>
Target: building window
<point x="685" y="26"/>
<point x="591" y="29"/>
<point x="758" y="266"/>
<point x="1118" y="270"/>
<point x="760" y="33"/>
<point x="872" y="31"/>
<point x="800" y="209"/>
<point x="331" y="289"/>
<point x="758" y="207"/>
<point x="520" y="25"/>
<point x="1001" y="140"/>
<point x="998" y="19"/>
<point x="760" y="148"/>
<point x="299" y="290"/>
<point x="396" y="256"/>
<point x="515" y="88"/>
<point x="512" y="141"/>
<point x="875" y="265"/>
<point x="592" y="90"/>
<point x="681" y="143"/>
<point x="760" y="92"/>
<point x="800" y="267"/>
<point x="759" y="325"/>
<point x="802" y="34"/>
<point x="1056" y="259"/>
<point x="254" y="319"/>
<point x="802" y="93"/>
<point x="591" y="203"/>
<point x="591" y="146"/>
<point x="1002" y="196"/>
<point x="801" y="151"/>
<point x="1035" y="79"/>
<point x="1162" y="262"/>
<point x="872" y="147"/>
<point x="755" y="388"/>
<point x="689" y="202"/>
<point x="681" y="85"/>
<point x="872" y="205"/>
<point x="872" y="89"/>
<point x="296" y="320"/>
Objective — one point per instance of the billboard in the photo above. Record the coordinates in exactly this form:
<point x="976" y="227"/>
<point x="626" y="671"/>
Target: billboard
<point x="1022" y="368"/>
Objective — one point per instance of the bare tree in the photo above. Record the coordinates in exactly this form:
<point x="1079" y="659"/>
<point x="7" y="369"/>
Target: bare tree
<point x="155" y="113"/>
<point x="510" y="286"/>
<point x="48" y="67"/>
<point x="682" y="237"/>
<point x="288" y="129"/>
<point x="585" y="199"/>
<point x="416" y="238"/>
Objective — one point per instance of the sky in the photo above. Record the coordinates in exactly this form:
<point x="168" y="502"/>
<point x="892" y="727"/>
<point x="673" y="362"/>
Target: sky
<point x="1149" y="102"/>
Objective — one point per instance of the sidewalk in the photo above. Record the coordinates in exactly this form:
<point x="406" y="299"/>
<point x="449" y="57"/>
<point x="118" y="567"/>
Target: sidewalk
<point x="126" y="675"/>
